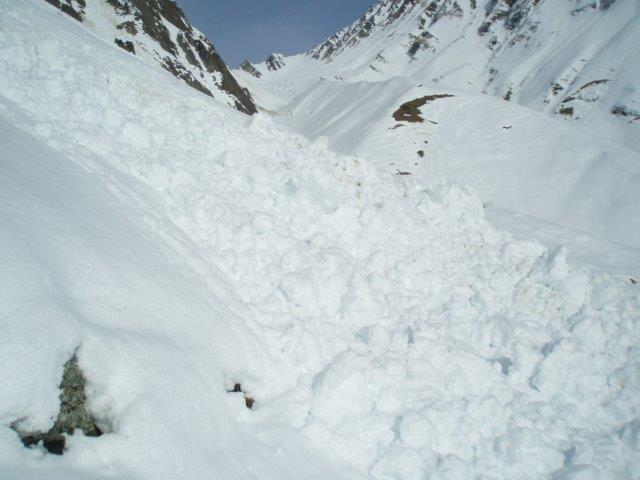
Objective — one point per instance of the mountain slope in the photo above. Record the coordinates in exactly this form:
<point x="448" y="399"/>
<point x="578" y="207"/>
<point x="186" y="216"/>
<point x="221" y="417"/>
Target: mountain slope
<point x="158" y="32"/>
<point x="573" y="59"/>
<point x="514" y="158"/>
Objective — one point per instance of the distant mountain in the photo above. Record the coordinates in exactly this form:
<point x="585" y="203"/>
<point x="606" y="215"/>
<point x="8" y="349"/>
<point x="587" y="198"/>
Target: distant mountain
<point x="159" y="32"/>
<point x="533" y="103"/>
<point x="574" y="59"/>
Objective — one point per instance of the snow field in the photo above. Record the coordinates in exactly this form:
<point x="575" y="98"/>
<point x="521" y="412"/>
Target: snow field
<point x="389" y="323"/>
<point x="549" y="61"/>
<point x="514" y="158"/>
<point x="91" y="262"/>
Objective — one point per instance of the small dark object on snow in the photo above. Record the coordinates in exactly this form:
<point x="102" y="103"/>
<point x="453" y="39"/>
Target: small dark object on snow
<point x="126" y="45"/>
<point x="410" y="111"/>
<point x="421" y="153"/>
<point x="399" y="172"/>
<point x="248" y="401"/>
<point x="621" y="111"/>
<point x="633" y="281"/>
<point x="566" y="111"/>
<point x="507" y="128"/>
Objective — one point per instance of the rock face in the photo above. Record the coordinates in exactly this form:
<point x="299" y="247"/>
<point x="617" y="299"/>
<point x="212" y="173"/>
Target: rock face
<point x="248" y="67"/>
<point x="159" y="32"/>
<point x="275" y="62"/>
<point x="378" y="16"/>
<point x="73" y="414"/>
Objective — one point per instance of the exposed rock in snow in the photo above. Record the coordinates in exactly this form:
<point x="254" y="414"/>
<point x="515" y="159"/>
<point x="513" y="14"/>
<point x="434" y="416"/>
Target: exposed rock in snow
<point x="275" y="62"/>
<point x="410" y="111"/>
<point x="248" y="67"/>
<point x="380" y="15"/>
<point x="159" y="32"/>
<point x="574" y="59"/>
<point x="73" y="413"/>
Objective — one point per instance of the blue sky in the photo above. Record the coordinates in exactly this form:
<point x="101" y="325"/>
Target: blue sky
<point x="254" y="29"/>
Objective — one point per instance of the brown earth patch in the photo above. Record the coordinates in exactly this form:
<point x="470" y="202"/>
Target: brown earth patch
<point x="410" y="111"/>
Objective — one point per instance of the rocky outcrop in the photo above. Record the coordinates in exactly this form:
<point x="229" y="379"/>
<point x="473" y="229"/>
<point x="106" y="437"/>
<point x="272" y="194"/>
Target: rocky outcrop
<point x="159" y="32"/>
<point x="275" y="62"/>
<point x="381" y="14"/>
<point x="248" y="67"/>
<point x="73" y="415"/>
<point x="410" y="111"/>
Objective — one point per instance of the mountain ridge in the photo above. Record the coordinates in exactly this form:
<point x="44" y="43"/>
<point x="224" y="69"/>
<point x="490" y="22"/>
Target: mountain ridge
<point x="159" y="32"/>
<point x="575" y="60"/>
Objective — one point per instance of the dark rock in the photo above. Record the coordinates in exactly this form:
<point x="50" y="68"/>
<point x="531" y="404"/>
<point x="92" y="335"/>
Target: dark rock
<point x="248" y="400"/>
<point x="484" y="28"/>
<point x="622" y="111"/>
<point x="410" y="111"/>
<point x="248" y="67"/>
<point x="73" y="414"/>
<point x="566" y="111"/>
<point x="363" y="28"/>
<point x="556" y="88"/>
<point x="126" y="45"/>
<point x="73" y="9"/>
<point x="128" y="27"/>
<point x="178" y="70"/>
<point x="605" y="4"/>
<point x="275" y="62"/>
<point x="186" y="48"/>
<point x="150" y="18"/>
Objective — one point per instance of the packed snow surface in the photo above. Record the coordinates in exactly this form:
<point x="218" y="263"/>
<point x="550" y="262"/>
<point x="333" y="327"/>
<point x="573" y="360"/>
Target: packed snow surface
<point x="385" y="329"/>
<point x="513" y="157"/>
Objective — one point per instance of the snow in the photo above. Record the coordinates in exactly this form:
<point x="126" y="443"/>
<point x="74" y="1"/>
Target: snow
<point x="95" y="264"/>
<point x="384" y="327"/>
<point x="103" y="20"/>
<point x="554" y="174"/>
<point x="557" y="44"/>
<point x="514" y="158"/>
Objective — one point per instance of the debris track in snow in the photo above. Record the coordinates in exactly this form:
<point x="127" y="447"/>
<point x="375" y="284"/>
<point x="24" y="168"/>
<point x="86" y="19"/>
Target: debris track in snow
<point x="385" y="322"/>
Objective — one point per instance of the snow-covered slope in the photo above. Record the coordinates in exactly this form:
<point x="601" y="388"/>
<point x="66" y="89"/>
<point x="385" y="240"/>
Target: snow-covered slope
<point x="383" y="327"/>
<point x="513" y="157"/>
<point x="159" y="32"/>
<point x="91" y="262"/>
<point x="569" y="158"/>
<point x="575" y="59"/>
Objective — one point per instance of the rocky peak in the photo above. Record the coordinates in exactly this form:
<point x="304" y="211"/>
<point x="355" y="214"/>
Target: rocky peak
<point x="533" y="52"/>
<point x="159" y="32"/>
<point x="381" y="14"/>
<point x="275" y="62"/>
